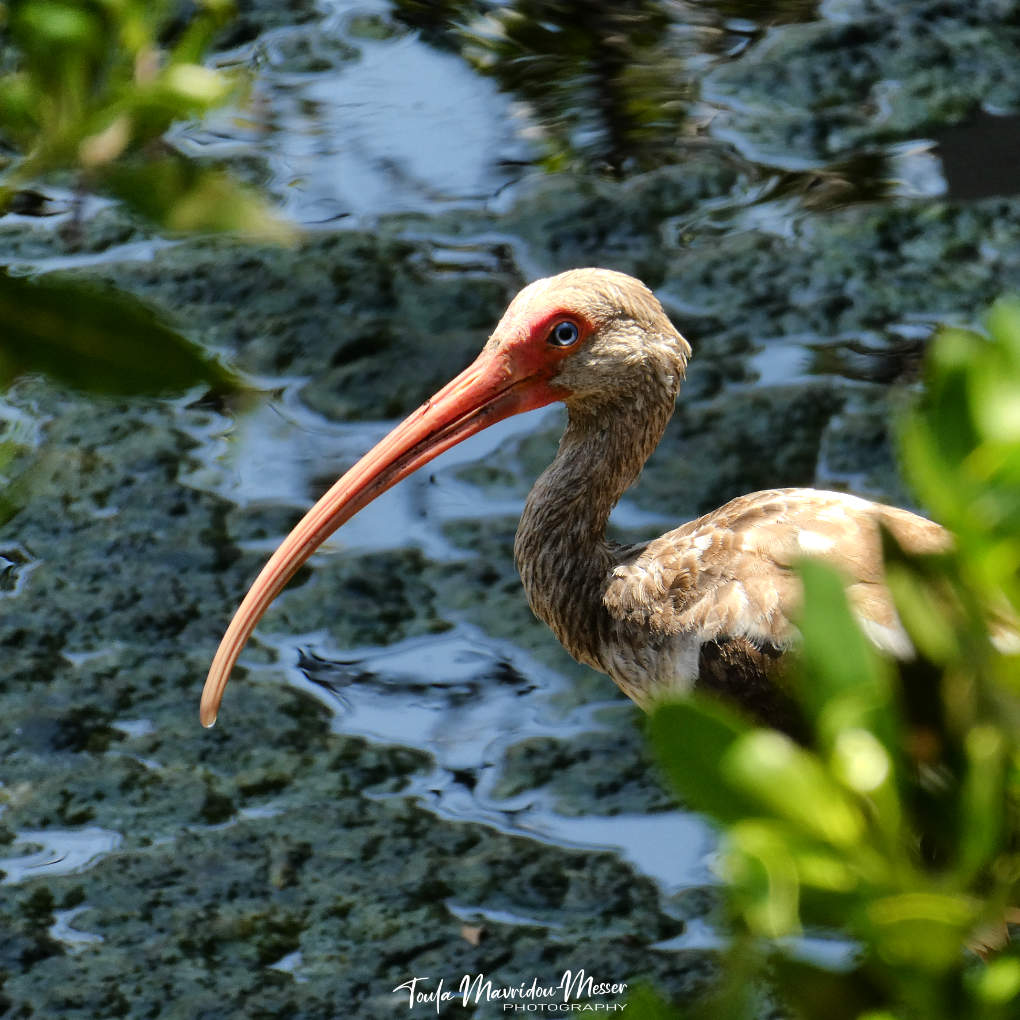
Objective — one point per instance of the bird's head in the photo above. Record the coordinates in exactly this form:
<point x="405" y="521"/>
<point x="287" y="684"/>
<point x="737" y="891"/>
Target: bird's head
<point x="588" y="337"/>
<point x="595" y="336"/>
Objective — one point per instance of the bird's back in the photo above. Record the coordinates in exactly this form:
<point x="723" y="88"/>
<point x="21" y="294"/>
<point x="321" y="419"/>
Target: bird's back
<point x="721" y="593"/>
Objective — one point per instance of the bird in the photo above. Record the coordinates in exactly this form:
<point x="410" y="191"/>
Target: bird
<point x="712" y="603"/>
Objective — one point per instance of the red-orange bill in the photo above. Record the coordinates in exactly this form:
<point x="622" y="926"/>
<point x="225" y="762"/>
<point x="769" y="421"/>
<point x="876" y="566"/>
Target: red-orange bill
<point x="489" y="390"/>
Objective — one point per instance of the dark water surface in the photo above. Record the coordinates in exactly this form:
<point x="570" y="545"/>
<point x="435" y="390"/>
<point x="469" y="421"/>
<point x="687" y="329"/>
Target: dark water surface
<point x="410" y="777"/>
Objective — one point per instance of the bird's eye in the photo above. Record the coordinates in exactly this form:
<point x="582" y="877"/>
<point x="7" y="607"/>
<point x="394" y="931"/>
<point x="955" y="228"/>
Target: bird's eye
<point x="564" y="334"/>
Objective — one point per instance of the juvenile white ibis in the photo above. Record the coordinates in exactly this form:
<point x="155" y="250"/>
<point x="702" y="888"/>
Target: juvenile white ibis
<point x="711" y="601"/>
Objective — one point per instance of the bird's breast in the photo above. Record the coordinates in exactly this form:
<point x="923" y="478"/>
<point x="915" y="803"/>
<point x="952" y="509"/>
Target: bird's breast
<point x="647" y="669"/>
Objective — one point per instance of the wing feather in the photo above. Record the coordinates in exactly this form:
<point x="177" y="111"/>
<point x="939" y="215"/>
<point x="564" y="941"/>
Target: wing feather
<point x="730" y="574"/>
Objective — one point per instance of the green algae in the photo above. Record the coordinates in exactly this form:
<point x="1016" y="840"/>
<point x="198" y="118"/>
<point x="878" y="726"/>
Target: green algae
<point x="135" y="572"/>
<point x="877" y="72"/>
<point x="273" y="834"/>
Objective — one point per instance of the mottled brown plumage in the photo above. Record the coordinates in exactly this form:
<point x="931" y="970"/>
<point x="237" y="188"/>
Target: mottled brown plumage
<point x="712" y="601"/>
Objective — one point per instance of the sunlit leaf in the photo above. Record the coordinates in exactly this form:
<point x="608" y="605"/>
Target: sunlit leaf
<point x="790" y="783"/>
<point x="998" y="982"/>
<point x="193" y="84"/>
<point x="1004" y="326"/>
<point x="925" y="930"/>
<point x="824" y="869"/>
<point x="759" y="868"/>
<point x="690" y="737"/>
<point x="96" y="339"/>
<point x="864" y="765"/>
<point x="860" y="761"/>
<point x="183" y="196"/>
<point x="49" y="23"/>
<point x="982" y="820"/>
<point x="845" y="684"/>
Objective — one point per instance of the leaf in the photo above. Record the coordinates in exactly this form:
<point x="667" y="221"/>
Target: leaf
<point x="926" y="930"/>
<point x="789" y="783"/>
<point x="182" y="196"/>
<point x="982" y="821"/>
<point x="998" y="982"/>
<point x="49" y="24"/>
<point x="844" y="682"/>
<point x="96" y="339"/>
<point x="643" y="1003"/>
<point x="760" y="870"/>
<point x="690" y="738"/>
<point x="819" y="992"/>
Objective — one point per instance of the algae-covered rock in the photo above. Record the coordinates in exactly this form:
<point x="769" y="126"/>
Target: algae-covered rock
<point x="875" y="72"/>
<point x="278" y="865"/>
<point x="340" y="310"/>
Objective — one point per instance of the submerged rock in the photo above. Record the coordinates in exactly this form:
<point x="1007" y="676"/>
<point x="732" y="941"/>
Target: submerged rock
<point x="282" y="865"/>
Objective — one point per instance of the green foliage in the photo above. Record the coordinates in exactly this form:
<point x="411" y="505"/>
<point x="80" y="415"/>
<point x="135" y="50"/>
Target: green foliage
<point x="962" y="447"/>
<point x="96" y="339"/>
<point x="896" y="828"/>
<point x="92" y="86"/>
<point x="88" y="86"/>
<point x="88" y="90"/>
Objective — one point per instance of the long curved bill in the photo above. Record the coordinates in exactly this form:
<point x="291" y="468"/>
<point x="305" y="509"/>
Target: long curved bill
<point x="486" y="392"/>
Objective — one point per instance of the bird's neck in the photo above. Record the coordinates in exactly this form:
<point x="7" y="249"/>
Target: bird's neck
<point x="561" y="549"/>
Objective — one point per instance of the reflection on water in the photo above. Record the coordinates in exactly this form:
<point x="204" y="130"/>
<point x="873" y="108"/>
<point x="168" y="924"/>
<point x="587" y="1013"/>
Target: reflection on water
<point x="63" y="852"/>
<point x="382" y="109"/>
<point x="904" y="171"/>
<point x="356" y="118"/>
<point x="605" y="85"/>
<point x="465" y="698"/>
<point x="981" y="156"/>
<point x="63" y="930"/>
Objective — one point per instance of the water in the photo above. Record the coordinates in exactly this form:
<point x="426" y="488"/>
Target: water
<point x="360" y="139"/>
<point x="818" y="250"/>
<point x="61" y="852"/>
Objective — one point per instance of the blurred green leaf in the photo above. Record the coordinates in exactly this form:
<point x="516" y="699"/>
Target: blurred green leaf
<point x="93" y="86"/>
<point x="815" y="991"/>
<point x="690" y="737"/>
<point x="44" y="24"/>
<point x="850" y="689"/>
<point x="997" y="983"/>
<point x="184" y="197"/>
<point x="97" y="340"/>
<point x="763" y="875"/>
<point x="982" y="821"/>
<point x="644" y="1003"/>
<point x="923" y="610"/>
<point x="790" y="783"/>
<point x="923" y="930"/>
<point x="961" y="447"/>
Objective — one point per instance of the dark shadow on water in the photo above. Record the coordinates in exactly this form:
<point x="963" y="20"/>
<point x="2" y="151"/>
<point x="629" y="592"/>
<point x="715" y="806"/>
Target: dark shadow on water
<point x="981" y="156"/>
<point x="606" y="83"/>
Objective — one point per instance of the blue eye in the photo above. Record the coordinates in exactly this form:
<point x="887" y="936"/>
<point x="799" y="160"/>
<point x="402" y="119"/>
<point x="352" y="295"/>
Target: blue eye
<point x="564" y="334"/>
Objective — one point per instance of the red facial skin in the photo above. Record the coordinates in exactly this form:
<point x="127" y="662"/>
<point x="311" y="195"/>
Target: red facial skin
<point x="510" y="376"/>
